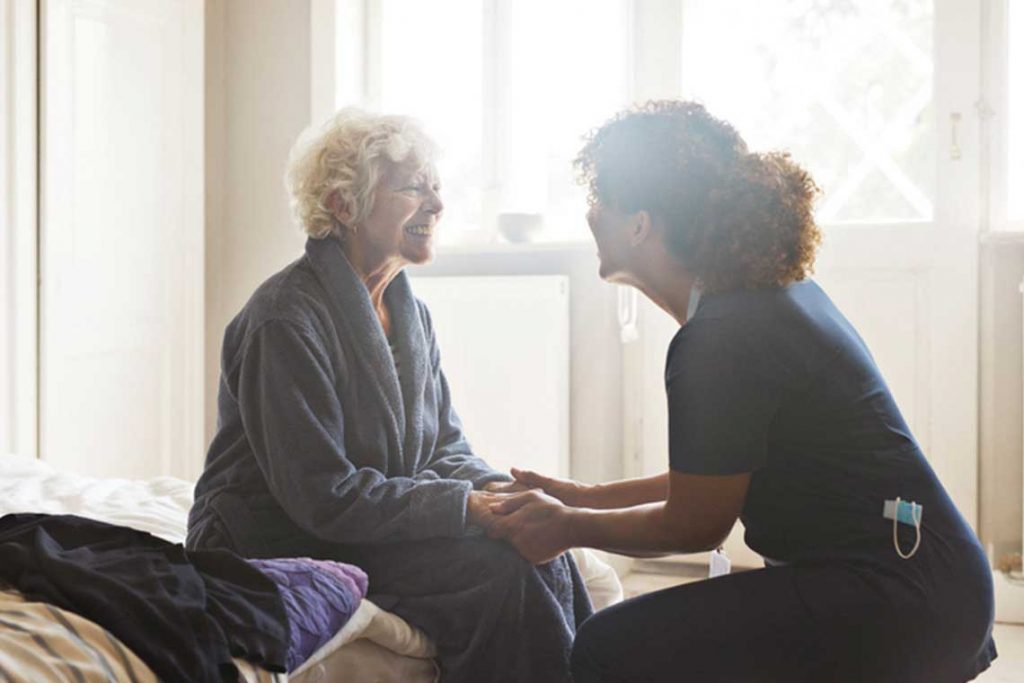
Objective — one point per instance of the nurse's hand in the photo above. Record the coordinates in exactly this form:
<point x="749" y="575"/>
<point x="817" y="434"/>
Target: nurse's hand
<point x="538" y="525"/>
<point x="566" y="490"/>
<point x="506" y="487"/>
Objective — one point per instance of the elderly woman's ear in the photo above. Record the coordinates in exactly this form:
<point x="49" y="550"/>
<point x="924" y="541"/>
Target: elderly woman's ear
<point x="340" y="210"/>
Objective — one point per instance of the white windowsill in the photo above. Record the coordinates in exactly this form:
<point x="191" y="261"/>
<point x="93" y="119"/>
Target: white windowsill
<point x="515" y="248"/>
<point x="1012" y="237"/>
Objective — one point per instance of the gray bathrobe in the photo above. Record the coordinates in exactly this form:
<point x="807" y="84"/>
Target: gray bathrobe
<point x="324" y="449"/>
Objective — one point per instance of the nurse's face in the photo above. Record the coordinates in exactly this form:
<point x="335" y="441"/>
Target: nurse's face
<point x="611" y="229"/>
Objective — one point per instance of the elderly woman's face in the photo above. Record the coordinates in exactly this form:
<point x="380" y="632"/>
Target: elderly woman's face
<point x="406" y="209"/>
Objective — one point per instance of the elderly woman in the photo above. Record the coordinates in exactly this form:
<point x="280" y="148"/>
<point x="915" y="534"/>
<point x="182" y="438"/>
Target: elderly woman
<point x="336" y="434"/>
<point x="777" y="415"/>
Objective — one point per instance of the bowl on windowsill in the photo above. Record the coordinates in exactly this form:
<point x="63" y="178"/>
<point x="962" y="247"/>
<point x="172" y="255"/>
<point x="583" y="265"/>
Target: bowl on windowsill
<point x="520" y="228"/>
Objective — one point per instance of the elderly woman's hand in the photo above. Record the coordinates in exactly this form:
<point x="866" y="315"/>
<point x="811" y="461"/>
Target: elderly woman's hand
<point x="538" y="525"/>
<point x="478" y="507"/>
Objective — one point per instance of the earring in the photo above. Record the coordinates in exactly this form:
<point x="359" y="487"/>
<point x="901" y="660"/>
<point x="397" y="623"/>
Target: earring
<point x="342" y="230"/>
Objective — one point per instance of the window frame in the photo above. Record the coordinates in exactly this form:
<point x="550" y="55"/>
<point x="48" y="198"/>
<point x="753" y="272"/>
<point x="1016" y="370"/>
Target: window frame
<point x="993" y="109"/>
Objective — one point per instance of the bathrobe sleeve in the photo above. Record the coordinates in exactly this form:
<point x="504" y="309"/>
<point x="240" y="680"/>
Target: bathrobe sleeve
<point x="294" y="421"/>
<point x="453" y="457"/>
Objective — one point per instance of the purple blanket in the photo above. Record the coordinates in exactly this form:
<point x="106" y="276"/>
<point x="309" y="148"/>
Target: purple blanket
<point x="319" y="598"/>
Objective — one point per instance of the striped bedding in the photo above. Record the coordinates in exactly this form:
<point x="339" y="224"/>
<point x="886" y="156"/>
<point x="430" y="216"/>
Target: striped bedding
<point x="40" y="642"/>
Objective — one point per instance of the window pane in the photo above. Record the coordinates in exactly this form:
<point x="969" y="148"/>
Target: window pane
<point x="563" y="71"/>
<point x="496" y="100"/>
<point x="845" y="86"/>
<point x="1015" y="119"/>
<point x="431" y="68"/>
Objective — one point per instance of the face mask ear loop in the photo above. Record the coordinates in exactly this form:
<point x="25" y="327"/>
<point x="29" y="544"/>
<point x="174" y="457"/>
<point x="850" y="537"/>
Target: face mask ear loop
<point x="916" y="512"/>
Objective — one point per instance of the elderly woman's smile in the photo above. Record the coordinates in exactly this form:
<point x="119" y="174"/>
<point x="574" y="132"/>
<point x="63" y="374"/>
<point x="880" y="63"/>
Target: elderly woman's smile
<point x="404" y="215"/>
<point x="420" y="230"/>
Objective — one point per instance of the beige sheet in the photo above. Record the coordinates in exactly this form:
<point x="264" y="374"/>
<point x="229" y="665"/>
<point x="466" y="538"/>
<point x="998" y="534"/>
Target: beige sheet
<point x="374" y="645"/>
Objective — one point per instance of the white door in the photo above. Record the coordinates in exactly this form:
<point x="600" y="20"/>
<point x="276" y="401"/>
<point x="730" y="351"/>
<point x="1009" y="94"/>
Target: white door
<point x="121" y="259"/>
<point x="877" y="99"/>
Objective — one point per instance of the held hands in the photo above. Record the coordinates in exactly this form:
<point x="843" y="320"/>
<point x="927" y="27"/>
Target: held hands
<point x="537" y="524"/>
<point x="569" y="492"/>
<point x="533" y="513"/>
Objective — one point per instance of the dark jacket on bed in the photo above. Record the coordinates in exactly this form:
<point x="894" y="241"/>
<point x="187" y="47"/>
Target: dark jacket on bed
<point x="185" y="614"/>
<point x="318" y="437"/>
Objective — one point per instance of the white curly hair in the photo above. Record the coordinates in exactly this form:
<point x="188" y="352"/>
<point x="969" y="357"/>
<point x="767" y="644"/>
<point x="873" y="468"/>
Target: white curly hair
<point x="348" y="155"/>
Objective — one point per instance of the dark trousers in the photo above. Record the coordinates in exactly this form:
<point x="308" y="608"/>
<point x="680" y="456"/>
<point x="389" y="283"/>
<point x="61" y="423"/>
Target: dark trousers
<point x="789" y="624"/>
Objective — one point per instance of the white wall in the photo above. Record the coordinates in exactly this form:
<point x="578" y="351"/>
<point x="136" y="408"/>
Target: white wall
<point x="257" y="102"/>
<point x="595" y="357"/>
<point x="18" y="220"/>
<point x="1002" y="404"/>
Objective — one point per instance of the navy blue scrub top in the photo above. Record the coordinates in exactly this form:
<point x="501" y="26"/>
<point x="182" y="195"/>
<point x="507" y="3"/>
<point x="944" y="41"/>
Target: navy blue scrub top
<point x="777" y="383"/>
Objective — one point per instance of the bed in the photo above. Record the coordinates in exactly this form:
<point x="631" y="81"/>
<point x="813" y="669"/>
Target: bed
<point x="374" y="645"/>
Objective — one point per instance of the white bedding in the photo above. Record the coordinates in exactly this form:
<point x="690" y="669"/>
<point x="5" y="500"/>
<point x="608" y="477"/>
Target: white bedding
<point x="159" y="505"/>
<point x="375" y="645"/>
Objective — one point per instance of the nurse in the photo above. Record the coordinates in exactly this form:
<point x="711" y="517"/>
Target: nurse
<point x="778" y="416"/>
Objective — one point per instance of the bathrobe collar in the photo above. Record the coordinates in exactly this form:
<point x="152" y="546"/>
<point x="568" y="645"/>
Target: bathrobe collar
<point x="355" y="319"/>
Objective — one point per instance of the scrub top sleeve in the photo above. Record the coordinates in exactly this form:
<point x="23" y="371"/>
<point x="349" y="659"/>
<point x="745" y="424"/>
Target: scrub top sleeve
<point x="721" y="401"/>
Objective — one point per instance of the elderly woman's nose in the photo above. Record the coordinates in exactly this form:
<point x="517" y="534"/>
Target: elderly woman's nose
<point x="434" y="203"/>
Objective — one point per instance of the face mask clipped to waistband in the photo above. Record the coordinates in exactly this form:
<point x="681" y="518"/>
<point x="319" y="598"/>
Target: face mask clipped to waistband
<point x="904" y="512"/>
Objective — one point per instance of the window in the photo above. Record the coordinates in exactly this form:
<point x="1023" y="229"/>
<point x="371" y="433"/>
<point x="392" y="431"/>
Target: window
<point x="846" y="87"/>
<point x="440" y="81"/>
<point x="508" y="88"/>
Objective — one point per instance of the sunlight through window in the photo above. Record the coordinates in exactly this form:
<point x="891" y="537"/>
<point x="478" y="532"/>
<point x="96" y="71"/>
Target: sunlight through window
<point x="508" y="89"/>
<point x="846" y="87"/>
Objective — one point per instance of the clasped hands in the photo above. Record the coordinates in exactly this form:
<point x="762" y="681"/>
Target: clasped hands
<point x="534" y="513"/>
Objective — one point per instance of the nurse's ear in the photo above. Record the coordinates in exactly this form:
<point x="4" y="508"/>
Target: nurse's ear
<point x="640" y="226"/>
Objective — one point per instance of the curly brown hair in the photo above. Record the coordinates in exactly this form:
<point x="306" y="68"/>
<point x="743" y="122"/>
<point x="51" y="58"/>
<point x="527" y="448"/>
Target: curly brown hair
<point x="736" y="219"/>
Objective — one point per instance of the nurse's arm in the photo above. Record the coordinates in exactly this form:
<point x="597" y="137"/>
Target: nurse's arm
<point x="616" y="494"/>
<point x="698" y="515"/>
